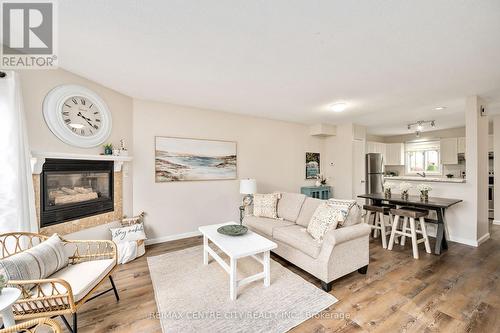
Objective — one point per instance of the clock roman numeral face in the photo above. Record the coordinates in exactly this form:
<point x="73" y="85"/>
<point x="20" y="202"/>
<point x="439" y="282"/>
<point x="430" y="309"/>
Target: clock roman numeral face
<point x="81" y="116"/>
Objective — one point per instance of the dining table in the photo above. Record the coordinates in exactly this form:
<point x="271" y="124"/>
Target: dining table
<point x="438" y="205"/>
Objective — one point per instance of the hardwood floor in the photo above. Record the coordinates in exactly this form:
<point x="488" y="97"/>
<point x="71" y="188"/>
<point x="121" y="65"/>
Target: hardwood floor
<point x="458" y="291"/>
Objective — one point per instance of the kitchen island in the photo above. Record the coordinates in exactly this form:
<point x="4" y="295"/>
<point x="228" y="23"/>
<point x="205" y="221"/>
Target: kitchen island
<point x="461" y="220"/>
<point x="438" y="205"/>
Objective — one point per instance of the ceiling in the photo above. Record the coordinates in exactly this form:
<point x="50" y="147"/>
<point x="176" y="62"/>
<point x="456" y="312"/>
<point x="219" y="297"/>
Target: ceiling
<point x="392" y="61"/>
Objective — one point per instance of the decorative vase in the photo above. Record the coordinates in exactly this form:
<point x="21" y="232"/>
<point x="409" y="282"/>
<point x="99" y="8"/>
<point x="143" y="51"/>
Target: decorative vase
<point x="424" y="195"/>
<point x="387" y="193"/>
<point x="404" y="195"/>
<point x="318" y="183"/>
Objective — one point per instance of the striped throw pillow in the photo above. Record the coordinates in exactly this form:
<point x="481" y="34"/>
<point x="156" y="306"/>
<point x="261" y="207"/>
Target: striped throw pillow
<point x="38" y="262"/>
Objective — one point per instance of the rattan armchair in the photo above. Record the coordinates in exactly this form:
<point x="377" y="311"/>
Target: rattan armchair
<point x="54" y="296"/>
<point x="33" y="326"/>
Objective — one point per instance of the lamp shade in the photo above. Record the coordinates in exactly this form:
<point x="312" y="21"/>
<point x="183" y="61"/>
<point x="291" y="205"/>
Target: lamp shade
<point x="248" y="186"/>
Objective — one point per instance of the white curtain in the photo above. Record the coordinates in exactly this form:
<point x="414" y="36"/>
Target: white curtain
<point x="17" y="198"/>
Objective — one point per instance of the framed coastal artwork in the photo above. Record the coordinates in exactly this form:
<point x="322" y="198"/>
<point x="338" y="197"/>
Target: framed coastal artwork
<point x="312" y="165"/>
<point x="184" y="159"/>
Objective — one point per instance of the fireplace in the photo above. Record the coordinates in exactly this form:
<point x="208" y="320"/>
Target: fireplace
<point x="73" y="189"/>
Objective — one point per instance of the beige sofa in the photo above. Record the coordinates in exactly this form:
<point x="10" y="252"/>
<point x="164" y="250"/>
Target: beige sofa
<point x="342" y="251"/>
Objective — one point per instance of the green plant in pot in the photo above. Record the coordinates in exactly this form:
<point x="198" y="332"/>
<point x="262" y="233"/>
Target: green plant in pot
<point x="108" y="149"/>
<point x="3" y="283"/>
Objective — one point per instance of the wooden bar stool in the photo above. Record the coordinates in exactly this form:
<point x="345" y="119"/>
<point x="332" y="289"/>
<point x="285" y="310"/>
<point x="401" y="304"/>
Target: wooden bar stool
<point x="379" y="223"/>
<point x="415" y="218"/>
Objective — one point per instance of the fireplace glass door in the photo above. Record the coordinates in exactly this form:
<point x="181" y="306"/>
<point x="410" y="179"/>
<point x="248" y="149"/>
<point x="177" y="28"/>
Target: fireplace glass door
<point x="75" y="187"/>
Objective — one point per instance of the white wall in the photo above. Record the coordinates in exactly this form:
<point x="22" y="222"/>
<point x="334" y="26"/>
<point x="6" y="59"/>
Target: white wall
<point x="338" y="161"/>
<point x="273" y="152"/>
<point x="35" y="86"/>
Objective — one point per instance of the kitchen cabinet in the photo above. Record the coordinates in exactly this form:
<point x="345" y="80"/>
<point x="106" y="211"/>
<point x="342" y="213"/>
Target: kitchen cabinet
<point x="376" y="147"/>
<point x="449" y="151"/>
<point x="490" y="143"/>
<point x="461" y="145"/>
<point x="395" y="154"/>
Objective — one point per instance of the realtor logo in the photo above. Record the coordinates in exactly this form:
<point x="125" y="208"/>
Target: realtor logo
<point x="28" y="34"/>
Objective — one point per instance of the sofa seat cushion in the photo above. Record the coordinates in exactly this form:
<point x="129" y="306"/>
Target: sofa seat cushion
<point x="297" y="237"/>
<point x="289" y="205"/>
<point x="84" y="276"/>
<point x="265" y="225"/>
<point x="307" y="211"/>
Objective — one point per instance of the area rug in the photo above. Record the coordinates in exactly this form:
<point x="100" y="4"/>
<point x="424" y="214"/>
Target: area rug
<point x="192" y="297"/>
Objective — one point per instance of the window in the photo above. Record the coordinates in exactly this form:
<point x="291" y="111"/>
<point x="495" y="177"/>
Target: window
<point x="423" y="157"/>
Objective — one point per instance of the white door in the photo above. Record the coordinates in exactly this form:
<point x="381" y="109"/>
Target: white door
<point x="358" y="175"/>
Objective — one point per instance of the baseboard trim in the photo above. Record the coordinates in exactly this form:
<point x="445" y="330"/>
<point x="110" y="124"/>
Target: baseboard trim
<point x="483" y="239"/>
<point x="470" y="242"/>
<point x="496" y="222"/>
<point x="152" y="241"/>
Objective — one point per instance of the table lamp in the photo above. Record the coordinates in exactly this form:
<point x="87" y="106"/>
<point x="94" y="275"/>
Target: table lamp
<point x="248" y="187"/>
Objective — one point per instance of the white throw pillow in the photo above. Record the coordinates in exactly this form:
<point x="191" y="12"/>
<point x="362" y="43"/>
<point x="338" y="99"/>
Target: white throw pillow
<point x="134" y="232"/>
<point x="265" y="205"/>
<point x="351" y="214"/>
<point x="325" y="218"/>
<point x="38" y="262"/>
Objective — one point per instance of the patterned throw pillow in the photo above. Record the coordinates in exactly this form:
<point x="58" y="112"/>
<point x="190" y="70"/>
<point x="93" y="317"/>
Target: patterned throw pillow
<point x="324" y="219"/>
<point x="38" y="262"/>
<point x="349" y="209"/>
<point x="265" y="205"/>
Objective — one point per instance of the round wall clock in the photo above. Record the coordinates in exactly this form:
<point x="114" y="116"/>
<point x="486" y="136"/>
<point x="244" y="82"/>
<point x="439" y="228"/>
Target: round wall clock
<point x="77" y="116"/>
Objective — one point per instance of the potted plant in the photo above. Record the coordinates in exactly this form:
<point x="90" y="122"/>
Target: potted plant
<point x="424" y="191"/>
<point x="108" y="149"/>
<point x="404" y="187"/>
<point x="321" y="181"/>
<point x="387" y="190"/>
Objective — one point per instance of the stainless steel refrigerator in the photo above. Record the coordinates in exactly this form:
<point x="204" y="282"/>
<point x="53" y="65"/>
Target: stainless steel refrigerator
<point x="374" y="166"/>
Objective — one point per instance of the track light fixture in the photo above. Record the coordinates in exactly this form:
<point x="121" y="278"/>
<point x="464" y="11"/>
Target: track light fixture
<point x="419" y="126"/>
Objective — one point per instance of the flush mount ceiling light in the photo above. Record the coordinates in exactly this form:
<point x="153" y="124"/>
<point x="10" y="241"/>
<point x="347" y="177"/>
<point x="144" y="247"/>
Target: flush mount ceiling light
<point x="338" y="107"/>
<point x="419" y="126"/>
<point x="439" y="108"/>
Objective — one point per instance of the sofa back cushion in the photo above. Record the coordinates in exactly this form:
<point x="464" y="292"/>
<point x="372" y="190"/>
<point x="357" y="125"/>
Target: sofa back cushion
<point x="289" y="206"/>
<point x="38" y="262"/>
<point x="308" y="208"/>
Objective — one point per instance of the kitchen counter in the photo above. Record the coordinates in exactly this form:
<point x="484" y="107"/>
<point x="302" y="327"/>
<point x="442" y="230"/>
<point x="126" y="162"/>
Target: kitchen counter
<point x="425" y="179"/>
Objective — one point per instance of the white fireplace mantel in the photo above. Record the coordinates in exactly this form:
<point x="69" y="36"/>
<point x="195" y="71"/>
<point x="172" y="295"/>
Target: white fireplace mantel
<point x="38" y="159"/>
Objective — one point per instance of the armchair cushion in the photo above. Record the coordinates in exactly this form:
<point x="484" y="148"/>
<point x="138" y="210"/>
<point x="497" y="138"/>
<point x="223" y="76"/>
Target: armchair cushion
<point x="83" y="277"/>
<point x="38" y="262"/>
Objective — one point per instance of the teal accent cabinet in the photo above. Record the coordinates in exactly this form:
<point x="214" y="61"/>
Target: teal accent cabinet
<point x="318" y="192"/>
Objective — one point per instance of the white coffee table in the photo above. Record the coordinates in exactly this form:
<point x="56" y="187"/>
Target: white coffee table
<point x="8" y="297"/>
<point x="236" y="247"/>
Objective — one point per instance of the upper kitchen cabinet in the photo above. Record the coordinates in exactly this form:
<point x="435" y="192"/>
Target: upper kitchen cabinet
<point x="395" y="154"/>
<point x="449" y="151"/>
<point x="461" y="145"/>
<point x="376" y="147"/>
